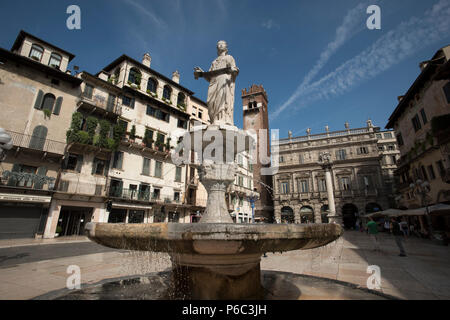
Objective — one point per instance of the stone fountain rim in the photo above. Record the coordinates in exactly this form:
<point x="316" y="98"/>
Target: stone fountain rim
<point x="219" y="231"/>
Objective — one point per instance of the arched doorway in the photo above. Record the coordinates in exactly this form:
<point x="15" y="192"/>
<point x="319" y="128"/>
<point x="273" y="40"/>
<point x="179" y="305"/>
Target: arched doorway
<point x="324" y="211"/>
<point x="287" y="215"/>
<point x="373" y="207"/>
<point x="306" y="215"/>
<point x="349" y="213"/>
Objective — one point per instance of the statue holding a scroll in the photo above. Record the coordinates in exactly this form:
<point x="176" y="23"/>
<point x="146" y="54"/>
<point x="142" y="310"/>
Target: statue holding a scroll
<point x="222" y="78"/>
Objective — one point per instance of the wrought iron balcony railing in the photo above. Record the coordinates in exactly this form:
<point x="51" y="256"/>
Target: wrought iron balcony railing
<point x="26" y="180"/>
<point x="21" y="140"/>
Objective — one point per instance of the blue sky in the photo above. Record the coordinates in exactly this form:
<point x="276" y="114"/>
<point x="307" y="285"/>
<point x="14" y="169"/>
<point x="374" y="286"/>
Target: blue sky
<point x="317" y="60"/>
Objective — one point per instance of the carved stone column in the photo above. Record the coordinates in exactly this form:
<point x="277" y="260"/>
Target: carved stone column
<point x="326" y="163"/>
<point x="217" y="178"/>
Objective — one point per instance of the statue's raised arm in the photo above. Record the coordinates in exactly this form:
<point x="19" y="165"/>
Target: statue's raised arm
<point x="221" y="77"/>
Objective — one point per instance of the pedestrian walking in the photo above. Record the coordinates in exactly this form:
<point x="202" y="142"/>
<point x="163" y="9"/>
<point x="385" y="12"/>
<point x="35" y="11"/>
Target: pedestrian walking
<point x="398" y="236"/>
<point x="404" y="227"/>
<point x="372" y="230"/>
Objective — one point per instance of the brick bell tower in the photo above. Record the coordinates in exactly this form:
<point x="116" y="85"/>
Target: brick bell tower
<point x="256" y="117"/>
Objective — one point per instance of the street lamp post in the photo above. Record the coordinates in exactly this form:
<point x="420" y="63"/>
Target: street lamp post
<point x="423" y="188"/>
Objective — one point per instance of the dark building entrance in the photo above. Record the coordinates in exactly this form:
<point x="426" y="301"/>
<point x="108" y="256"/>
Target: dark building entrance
<point x="349" y="213"/>
<point x="72" y="221"/>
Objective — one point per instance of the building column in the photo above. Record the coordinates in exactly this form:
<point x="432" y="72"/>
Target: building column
<point x="277" y="214"/>
<point x="333" y="216"/>
<point x="52" y="220"/>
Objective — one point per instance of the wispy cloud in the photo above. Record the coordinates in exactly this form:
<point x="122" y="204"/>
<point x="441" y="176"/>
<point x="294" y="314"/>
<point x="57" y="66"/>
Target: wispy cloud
<point x="270" y="24"/>
<point x="147" y="13"/>
<point x="389" y="50"/>
<point x="386" y="52"/>
<point x="352" y="24"/>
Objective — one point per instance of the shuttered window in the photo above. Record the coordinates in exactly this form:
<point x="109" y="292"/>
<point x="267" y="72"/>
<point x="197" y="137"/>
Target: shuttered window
<point x="39" y="98"/>
<point x="49" y="102"/>
<point x="118" y="160"/>
<point x="178" y="174"/>
<point x="88" y="91"/>
<point x="37" y="141"/>
<point x="158" y="169"/>
<point x="58" y="104"/>
<point x="146" y="167"/>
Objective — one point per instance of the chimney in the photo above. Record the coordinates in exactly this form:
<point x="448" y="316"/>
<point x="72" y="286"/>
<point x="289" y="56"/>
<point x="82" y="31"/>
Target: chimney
<point x="147" y="60"/>
<point x="176" y="77"/>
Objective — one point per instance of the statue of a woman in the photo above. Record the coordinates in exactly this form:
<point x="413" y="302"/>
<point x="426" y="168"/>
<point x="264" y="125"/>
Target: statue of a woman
<point x="222" y="78"/>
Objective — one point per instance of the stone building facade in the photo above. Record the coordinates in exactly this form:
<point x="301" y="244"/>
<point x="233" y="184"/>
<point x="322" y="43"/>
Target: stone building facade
<point x="300" y="190"/>
<point x="91" y="147"/>
<point x="421" y="122"/>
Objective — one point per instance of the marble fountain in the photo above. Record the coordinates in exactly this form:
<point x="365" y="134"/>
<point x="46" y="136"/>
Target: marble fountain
<point x="214" y="259"/>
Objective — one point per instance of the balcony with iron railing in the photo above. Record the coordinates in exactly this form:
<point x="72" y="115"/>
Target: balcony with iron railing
<point x="23" y="141"/>
<point x="76" y="186"/>
<point x="130" y="194"/>
<point x="26" y="181"/>
<point x="101" y="105"/>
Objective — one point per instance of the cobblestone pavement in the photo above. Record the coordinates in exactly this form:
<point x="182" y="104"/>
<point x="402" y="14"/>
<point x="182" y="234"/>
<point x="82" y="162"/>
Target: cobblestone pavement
<point x="424" y="274"/>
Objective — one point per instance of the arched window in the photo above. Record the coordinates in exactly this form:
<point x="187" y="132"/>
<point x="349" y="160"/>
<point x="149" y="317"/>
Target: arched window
<point x="167" y="93"/>
<point x="36" y="52"/>
<point x="48" y="102"/>
<point x="181" y="101"/>
<point x="152" y="85"/>
<point x="38" y="138"/>
<point x="55" y="61"/>
<point x="306" y="215"/>
<point x="287" y="215"/>
<point x="135" y="77"/>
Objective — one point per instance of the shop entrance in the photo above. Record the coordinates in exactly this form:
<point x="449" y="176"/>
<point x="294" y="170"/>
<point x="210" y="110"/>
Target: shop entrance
<point x="72" y="221"/>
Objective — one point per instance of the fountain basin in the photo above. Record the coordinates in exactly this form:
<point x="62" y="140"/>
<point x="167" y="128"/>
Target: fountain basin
<point x="214" y="261"/>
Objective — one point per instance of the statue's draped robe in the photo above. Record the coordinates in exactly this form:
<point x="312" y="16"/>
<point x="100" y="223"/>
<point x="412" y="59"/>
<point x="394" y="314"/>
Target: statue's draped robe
<point x="221" y="92"/>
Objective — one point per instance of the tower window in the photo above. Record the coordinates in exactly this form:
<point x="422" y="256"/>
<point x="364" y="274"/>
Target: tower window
<point x="55" y="61"/>
<point x="36" y="52"/>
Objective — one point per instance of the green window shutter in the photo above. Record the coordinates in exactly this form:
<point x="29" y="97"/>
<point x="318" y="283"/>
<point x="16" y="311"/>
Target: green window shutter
<point x="133" y="101"/>
<point x="39" y="98"/>
<point x="146" y="167"/>
<point x="58" y="104"/>
<point x="79" y="163"/>
<point x="120" y="162"/>
<point x="12" y="182"/>
<point x="41" y="172"/>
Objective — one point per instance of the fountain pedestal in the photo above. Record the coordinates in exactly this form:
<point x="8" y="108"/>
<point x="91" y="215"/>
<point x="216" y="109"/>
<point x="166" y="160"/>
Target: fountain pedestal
<point x="216" y="178"/>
